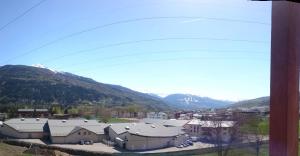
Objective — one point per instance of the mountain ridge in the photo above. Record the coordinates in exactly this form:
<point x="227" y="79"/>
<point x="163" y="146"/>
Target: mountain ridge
<point x="20" y="84"/>
<point x="257" y="102"/>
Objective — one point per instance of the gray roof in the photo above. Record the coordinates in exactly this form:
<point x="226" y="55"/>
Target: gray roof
<point x="41" y="110"/>
<point x="66" y="127"/>
<point x="212" y="124"/>
<point x="149" y="130"/>
<point x="169" y="123"/>
<point x="27" y="124"/>
<point x="25" y="110"/>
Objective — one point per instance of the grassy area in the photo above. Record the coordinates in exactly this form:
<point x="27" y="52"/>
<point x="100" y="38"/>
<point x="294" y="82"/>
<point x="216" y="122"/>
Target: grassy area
<point x="118" y="120"/>
<point x="264" y="126"/>
<point x="242" y="152"/>
<point x="246" y="152"/>
<point x="10" y="150"/>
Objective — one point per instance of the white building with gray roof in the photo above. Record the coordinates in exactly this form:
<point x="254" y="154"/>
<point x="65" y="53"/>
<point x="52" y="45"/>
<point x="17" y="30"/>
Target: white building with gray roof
<point x="74" y="131"/>
<point x="207" y="129"/>
<point x="59" y="131"/>
<point x="142" y="136"/>
<point x="25" y="128"/>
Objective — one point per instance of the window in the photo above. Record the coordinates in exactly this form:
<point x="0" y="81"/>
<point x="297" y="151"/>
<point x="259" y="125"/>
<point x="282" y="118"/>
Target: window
<point x="79" y="133"/>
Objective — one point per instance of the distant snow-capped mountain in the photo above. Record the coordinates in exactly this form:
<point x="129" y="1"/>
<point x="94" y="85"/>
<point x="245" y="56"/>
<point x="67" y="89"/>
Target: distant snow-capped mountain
<point x="188" y="101"/>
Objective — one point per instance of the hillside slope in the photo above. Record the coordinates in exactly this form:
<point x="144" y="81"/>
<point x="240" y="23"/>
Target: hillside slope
<point x="39" y="86"/>
<point x="258" y="102"/>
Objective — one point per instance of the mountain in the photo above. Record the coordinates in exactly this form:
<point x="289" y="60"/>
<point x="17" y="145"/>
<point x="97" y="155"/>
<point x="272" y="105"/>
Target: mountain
<point x="258" y="102"/>
<point x="188" y="101"/>
<point x="29" y="85"/>
<point x="155" y="95"/>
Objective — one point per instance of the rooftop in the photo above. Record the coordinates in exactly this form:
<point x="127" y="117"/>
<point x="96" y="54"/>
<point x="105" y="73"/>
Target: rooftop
<point x="25" y="110"/>
<point x="211" y="123"/>
<point x="66" y="127"/>
<point x="169" y="123"/>
<point x="27" y="124"/>
<point x="150" y="130"/>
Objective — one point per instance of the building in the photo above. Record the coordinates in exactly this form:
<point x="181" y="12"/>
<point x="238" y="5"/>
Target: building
<point x="206" y="130"/>
<point x="126" y="114"/>
<point x="197" y="116"/>
<point x="184" y="117"/>
<point x="166" y="123"/>
<point x="42" y="113"/>
<point x="75" y="131"/>
<point x="59" y="131"/>
<point x="33" y="113"/>
<point x="61" y="116"/>
<point x="25" y="113"/>
<point x="157" y="115"/>
<point x="130" y="136"/>
<point x="141" y="136"/>
<point x="3" y="116"/>
<point x="21" y="128"/>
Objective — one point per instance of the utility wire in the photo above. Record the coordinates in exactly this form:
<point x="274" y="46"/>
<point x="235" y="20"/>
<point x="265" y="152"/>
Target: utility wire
<point x="128" y="21"/>
<point x="157" y="52"/>
<point x="167" y="59"/>
<point x="149" y="40"/>
<point x="21" y="15"/>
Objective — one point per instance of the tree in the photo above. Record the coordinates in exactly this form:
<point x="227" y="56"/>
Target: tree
<point x="103" y="113"/>
<point x="224" y="133"/>
<point x="255" y="131"/>
<point x="133" y="109"/>
<point x="56" y="109"/>
<point x="73" y="111"/>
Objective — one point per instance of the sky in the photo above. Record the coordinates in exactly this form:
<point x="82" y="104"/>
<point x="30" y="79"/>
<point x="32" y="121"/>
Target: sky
<point x="212" y="48"/>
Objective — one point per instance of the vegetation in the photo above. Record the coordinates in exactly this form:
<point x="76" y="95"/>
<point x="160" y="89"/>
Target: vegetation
<point x="37" y="87"/>
<point x="242" y="152"/>
<point x="118" y="120"/>
<point x="11" y="150"/>
<point x="262" y="101"/>
<point x="255" y="129"/>
<point x="256" y="124"/>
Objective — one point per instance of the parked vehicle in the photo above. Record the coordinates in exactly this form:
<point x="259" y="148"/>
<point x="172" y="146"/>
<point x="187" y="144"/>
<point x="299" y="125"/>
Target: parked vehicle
<point x="180" y="146"/>
<point x="185" y="145"/>
<point x="194" y="139"/>
<point x="190" y="142"/>
<point x="81" y="142"/>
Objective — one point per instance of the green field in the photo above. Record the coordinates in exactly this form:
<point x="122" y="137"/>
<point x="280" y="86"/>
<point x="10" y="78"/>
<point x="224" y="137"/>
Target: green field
<point x="118" y="120"/>
<point x="242" y="152"/>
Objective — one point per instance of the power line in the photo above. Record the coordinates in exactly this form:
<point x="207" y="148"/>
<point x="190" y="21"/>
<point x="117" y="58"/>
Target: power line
<point x="149" y="40"/>
<point x="129" y="21"/>
<point x="159" y="52"/>
<point x="168" y="59"/>
<point x="21" y="15"/>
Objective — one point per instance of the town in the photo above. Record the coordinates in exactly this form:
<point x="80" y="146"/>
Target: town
<point x="137" y="131"/>
<point x="149" y="78"/>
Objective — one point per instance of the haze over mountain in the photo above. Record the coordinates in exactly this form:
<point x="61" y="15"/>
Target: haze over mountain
<point x="29" y="85"/>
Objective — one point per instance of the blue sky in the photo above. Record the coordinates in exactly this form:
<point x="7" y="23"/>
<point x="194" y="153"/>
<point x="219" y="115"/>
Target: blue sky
<point x="214" y="48"/>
